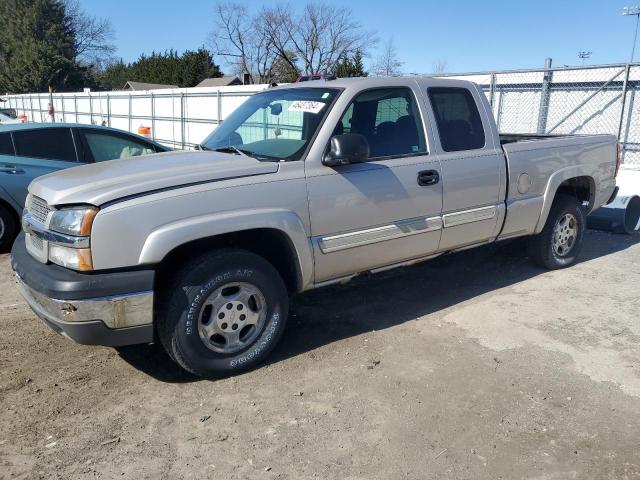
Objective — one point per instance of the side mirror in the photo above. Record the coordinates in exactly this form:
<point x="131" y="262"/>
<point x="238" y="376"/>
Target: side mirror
<point x="346" y="149"/>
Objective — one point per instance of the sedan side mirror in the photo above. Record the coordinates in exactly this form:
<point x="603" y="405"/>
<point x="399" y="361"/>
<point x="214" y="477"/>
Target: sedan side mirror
<point x="346" y="149"/>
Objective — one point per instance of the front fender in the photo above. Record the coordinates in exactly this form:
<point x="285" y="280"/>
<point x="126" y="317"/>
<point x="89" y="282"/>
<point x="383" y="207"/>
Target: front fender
<point x="167" y="237"/>
<point x="555" y="180"/>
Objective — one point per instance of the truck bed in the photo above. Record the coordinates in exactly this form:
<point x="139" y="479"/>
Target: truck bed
<point x="506" y="138"/>
<point x="537" y="164"/>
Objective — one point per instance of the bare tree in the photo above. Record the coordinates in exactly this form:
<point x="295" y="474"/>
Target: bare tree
<point x="312" y="40"/>
<point x="440" y="66"/>
<point x="93" y="36"/>
<point x="277" y="24"/>
<point x="322" y="34"/>
<point x="388" y="64"/>
<point x="243" y="41"/>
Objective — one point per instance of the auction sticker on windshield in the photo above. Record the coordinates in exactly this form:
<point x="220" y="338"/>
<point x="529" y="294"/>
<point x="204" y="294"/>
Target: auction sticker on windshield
<point x="308" y="106"/>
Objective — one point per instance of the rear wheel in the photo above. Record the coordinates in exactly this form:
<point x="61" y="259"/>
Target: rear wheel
<point x="8" y="228"/>
<point x="560" y="242"/>
<point x="224" y="313"/>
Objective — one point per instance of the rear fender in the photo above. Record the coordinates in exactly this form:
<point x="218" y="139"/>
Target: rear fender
<point x="555" y="180"/>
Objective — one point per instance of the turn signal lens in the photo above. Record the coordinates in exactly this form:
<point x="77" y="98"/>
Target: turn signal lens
<point x="74" y="258"/>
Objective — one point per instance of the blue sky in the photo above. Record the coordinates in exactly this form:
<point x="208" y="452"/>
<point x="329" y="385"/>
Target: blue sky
<point x="469" y="35"/>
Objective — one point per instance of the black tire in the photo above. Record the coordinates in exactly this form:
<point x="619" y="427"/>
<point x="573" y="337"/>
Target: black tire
<point x="179" y="317"/>
<point x="8" y="228"/>
<point x="541" y="246"/>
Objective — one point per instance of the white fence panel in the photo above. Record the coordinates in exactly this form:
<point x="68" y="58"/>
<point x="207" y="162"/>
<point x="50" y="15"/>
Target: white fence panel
<point x="544" y="101"/>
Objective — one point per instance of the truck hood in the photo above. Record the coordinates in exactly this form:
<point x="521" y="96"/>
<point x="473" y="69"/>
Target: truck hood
<point x="103" y="182"/>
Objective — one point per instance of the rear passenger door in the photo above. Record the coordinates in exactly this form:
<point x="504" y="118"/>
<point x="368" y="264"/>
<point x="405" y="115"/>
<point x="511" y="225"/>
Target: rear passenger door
<point x="473" y="168"/>
<point x="101" y="145"/>
<point x="37" y="152"/>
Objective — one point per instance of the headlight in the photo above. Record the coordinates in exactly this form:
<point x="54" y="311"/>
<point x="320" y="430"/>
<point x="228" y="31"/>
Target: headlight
<point x="75" y="258"/>
<point x="75" y="221"/>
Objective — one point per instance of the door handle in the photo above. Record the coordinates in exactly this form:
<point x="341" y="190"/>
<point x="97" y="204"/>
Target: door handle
<point x="11" y="169"/>
<point x="428" y="177"/>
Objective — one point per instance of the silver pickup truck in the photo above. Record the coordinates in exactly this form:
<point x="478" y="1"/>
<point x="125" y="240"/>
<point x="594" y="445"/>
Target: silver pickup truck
<point x="301" y="187"/>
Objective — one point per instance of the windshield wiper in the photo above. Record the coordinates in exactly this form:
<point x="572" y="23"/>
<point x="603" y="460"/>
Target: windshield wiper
<point x="239" y="151"/>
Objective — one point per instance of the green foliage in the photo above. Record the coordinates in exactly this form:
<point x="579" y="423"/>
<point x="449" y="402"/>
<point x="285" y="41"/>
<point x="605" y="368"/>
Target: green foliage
<point x="37" y="47"/>
<point x="186" y="70"/>
<point x="281" y="70"/>
<point x="114" y="76"/>
<point x="350" y="66"/>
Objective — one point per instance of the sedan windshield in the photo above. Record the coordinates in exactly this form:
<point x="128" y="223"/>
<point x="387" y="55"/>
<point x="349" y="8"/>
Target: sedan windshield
<point x="273" y="125"/>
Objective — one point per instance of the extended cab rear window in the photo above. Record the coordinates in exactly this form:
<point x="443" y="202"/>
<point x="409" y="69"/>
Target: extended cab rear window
<point x="457" y="118"/>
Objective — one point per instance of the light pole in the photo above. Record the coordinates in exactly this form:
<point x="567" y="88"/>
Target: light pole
<point x="584" y="55"/>
<point x="627" y="11"/>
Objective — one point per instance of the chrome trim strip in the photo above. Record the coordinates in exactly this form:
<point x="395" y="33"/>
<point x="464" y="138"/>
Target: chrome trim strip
<point x="31" y="225"/>
<point x="400" y="229"/>
<point x="469" y="216"/>
<point x="118" y="311"/>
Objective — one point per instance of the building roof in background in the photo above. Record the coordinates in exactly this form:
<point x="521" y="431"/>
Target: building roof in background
<point x="146" y="86"/>
<point x="219" y="82"/>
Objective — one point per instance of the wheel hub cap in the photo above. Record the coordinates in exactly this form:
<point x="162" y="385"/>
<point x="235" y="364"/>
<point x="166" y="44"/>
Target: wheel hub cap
<point x="565" y="234"/>
<point x="232" y="317"/>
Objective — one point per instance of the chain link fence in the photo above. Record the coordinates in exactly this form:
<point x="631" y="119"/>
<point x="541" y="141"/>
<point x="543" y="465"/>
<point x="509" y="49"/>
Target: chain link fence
<point x="570" y="100"/>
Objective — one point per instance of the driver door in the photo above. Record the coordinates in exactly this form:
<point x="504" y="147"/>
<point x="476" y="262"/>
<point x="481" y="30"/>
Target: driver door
<point x="381" y="212"/>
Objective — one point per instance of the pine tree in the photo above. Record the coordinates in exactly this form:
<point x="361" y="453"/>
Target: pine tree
<point x="358" y="66"/>
<point x="37" y="47"/>
<point x="281" y="70"/>
<point x="169" y="68"/>
<point x="114" y="76"/>
<point x="350" y="66"/>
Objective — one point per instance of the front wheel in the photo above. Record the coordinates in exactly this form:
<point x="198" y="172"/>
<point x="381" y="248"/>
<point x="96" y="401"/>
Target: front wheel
<point x="560" y="242"/>
<point x="224" y="314"/>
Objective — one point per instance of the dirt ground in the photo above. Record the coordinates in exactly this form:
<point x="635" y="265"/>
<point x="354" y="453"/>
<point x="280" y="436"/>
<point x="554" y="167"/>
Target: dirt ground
<point x="473" y="366"/>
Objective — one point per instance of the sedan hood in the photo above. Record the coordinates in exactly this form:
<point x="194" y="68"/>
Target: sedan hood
<point x="103" y="182"/>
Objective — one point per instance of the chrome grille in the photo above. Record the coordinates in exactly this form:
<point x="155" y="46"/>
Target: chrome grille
<point x="38" y="208"/>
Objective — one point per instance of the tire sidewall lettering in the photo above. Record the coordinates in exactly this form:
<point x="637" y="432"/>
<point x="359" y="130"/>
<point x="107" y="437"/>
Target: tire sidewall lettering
<point x="262" y="344"/>
<point x="191" y="319"/>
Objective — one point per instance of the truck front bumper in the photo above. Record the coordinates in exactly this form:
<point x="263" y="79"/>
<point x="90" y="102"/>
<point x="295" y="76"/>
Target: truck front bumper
<point x="111" y="309"/>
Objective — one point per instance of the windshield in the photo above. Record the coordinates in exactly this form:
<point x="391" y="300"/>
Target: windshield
<point x="273" y="125"/>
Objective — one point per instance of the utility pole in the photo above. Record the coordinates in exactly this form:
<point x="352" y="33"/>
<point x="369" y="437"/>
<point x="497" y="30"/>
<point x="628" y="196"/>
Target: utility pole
<point x="630" y="11"/>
